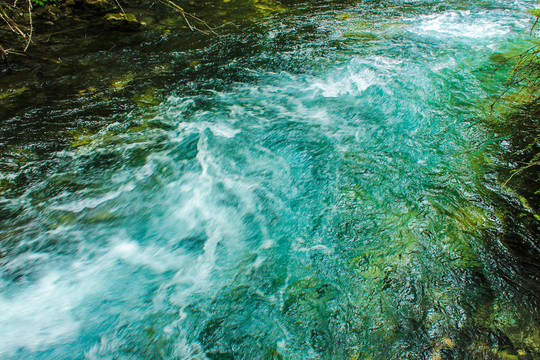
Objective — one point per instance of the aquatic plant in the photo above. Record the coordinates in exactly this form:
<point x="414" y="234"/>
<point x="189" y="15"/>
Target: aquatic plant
<point x="521" y="124"/>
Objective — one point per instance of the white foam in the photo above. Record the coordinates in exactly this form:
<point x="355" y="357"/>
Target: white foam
<point x="47" y="313"/>
<point x="352" y="83"/>
<point x="39" y="316"/>
<point x="220" y="129"/>
<point x="461" y="24"/>
<point x="223" y="130"/>
<point x="91" y="203"/>
<point x="157" y="259"/>
<point x="448" y="64"/>
<point x="318" y="247"/>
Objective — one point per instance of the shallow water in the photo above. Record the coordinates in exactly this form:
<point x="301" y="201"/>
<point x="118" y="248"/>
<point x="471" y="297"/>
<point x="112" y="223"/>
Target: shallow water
<point x="312" y="185"/>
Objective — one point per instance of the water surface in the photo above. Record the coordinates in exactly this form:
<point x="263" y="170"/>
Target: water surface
<point x="314" y="184"/>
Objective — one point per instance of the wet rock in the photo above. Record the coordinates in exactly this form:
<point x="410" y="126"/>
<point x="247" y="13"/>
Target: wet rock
<point x="47" y="13"/>
<point x="124" y="21"/>
<point x="503" y="57"/>
<point x="100" y="5"/>
<point x="498" y="58"/>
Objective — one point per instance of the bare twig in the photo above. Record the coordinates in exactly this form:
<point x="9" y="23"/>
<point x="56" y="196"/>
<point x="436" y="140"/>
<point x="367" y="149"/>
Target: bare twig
<point x="12" y="25"/>
<point x="520" y="170"/>
<point x="29" y="39"/>
<point x="16" y="52"/>
<point x="534" y="25"/>
<point x="4" y="57"/>
<point x="186" y="16"/>
<point x="120" y="6"/>
<point x="11" y="15"/>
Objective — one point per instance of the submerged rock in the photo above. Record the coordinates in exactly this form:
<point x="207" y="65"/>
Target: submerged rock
<point x="361" y="35"/>
<point x="122" y="82"/>
<point x="147" y="98"/>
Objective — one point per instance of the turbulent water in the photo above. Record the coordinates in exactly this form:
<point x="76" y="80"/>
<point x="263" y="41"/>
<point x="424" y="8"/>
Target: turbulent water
<point x="314" y="185"/>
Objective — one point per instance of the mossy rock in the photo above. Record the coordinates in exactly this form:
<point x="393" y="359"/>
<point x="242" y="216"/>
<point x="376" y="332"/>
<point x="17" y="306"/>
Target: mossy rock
<point x="148" y="125"/>
<point x="498" y="58"/>
<point x="524" y="97"/>
<point x="81" y="142"/>
<point x="47" y="13"/>
<point x="63" y="218"/>
<point x="122" y="82"/>
<point x="502" y="57"/>
<point x="147" y="98"/>
<point x="124" y="21"/>
<point x="362" y="25"/>
<point x="88" y="91"/>
<point x="9" y="93"/>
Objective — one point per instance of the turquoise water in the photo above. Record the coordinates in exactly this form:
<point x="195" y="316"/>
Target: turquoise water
<point x="316" y="188"/>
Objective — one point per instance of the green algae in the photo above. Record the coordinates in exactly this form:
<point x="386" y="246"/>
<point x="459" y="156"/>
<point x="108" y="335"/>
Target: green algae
<point x="471" y="218"/>
<point x="360" y="35"/>
<point x="80" y="137"/>
<point x="148" y="97"/>
<point x="9" y="93"/>
<point x="267" y="7"/>
<point x="123" y="81"/>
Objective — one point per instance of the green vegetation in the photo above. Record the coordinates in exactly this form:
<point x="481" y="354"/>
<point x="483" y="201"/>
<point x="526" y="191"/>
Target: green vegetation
<point x="519" y="124"/>
<point x="44" y="2"/>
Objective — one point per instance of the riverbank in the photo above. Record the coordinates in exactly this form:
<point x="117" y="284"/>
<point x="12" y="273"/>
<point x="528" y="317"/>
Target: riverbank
<point x="40" y="34"/>
<point x="57" y="30"/>
<point x="108" y="70"/>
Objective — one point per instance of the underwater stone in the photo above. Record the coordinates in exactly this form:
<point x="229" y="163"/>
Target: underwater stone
<point x="364" y="35"/>
<point x="122" y="82"/>
<point x="147" y="98"/>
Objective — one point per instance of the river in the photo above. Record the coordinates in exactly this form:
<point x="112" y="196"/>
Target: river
<point x="311" y="184"/>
